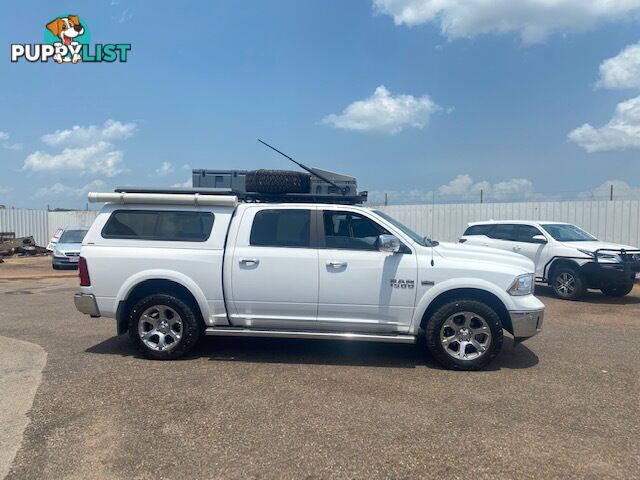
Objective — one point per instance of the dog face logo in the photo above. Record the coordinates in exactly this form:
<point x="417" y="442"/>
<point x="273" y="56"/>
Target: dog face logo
<point x="67" y="29"/>
<point x="67" y="39"/>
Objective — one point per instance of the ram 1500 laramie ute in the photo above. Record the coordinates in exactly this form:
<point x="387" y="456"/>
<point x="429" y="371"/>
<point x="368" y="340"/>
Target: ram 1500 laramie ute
<point x="171" y="267"/>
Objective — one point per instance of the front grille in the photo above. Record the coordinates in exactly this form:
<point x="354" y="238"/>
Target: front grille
<point x="72" y="254"/>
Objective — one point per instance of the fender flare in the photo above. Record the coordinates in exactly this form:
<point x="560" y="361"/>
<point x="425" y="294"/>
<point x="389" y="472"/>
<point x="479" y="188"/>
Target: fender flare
<point x="171" y="275"/>
<point x="457" y="284"/>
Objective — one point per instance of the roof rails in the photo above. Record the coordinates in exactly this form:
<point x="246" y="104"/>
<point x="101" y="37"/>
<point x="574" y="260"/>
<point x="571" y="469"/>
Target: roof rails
<point x="210" y="194"/>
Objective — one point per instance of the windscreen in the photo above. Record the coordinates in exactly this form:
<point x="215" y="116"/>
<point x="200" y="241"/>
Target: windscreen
<point x="73" y="236"/>
<point x="564" y="232"/>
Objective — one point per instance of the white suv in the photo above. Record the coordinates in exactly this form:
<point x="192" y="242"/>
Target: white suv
<point x="566" y="257"/>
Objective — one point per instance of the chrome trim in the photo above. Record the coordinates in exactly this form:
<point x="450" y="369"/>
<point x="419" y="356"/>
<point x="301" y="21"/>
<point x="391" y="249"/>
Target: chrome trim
<point x="86" y="303"/>
<point x="253" y="332"/>
<point x="526" y="324"/>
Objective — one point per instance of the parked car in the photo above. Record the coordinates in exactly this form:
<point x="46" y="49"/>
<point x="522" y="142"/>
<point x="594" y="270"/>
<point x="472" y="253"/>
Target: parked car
<point x="66" y="252"/>
<point x="566" y="257"/>
<point x="172" y="267"/>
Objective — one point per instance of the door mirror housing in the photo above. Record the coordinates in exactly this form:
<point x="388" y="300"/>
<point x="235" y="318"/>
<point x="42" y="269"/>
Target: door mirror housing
<point x="539" y="239"/>
<point x="388" y="243"/>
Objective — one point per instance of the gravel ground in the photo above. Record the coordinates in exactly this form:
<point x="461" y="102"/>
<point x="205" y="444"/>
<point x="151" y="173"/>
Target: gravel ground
<point x="564" y="404"/>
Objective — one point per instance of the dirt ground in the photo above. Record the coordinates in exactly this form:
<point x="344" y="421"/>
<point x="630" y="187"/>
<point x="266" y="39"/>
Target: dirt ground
<point x="25" y="268"/>
<point x="564" y="404"/>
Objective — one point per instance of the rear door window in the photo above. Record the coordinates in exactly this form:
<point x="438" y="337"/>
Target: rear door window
<point x="281" y="228"/>
<point x="176" y="226"/>
<point x="525" y="233"/>
<point x="503" y="231"/>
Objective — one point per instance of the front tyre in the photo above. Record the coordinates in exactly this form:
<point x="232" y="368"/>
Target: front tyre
<point x="163" y="327"/>
<point x="619" y="290"/>
<point x="464" y="335"/>
<point x="568" y="283"/>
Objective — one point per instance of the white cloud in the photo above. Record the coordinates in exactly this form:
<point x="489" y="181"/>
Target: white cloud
<point x="623" y="70"/>
<point x="186" y="184"/>
<point x="165" y="169"/>
<point x="621" y="191"/>
<point x="385" y="113"/>
<point x="4" y="136"/>
<point x="82" y="136"/>
<point x="622" y="132"/>
<point x="12" y="146"/>
<point x="4" y="190"/>
<point x="58" y="189"/>
<point x="463" y="188"/>
<point x="98" y="158"/>
<point x="534" y="20"/>
<point x="86" y="149"/>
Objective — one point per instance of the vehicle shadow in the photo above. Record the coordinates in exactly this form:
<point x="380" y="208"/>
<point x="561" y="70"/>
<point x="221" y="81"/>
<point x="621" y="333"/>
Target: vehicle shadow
<point x="592" y="296"/>
<point x="315" y="352"/>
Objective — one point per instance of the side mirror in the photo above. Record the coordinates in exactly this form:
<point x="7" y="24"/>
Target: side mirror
<point x="388" y="243"/>
<point x="539" y="239"/>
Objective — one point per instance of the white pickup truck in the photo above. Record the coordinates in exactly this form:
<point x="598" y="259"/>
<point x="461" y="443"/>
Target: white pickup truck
<point x="171" y="267"/>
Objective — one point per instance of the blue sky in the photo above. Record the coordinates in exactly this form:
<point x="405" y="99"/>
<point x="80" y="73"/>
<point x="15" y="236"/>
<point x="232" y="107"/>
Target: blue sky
<point x="410" y="96"/>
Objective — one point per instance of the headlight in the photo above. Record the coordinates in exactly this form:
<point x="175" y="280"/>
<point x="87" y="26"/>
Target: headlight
<point x="603" y="257"/>
<point x="523" y="285"/>
<point x="57" y="253"/>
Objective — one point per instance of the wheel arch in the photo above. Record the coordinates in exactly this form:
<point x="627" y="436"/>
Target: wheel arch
<point x="159" y="285"/>
<point x="557" y="263"/>
<point x="469" y="294"/>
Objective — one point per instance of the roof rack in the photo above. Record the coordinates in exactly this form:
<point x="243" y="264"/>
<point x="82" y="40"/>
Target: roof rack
<point x="249" y="197"/>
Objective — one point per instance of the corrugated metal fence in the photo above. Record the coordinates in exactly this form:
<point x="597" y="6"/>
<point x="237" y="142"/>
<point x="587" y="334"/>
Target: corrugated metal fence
<point x="615" y="221"/>
<point x="41" y="224"/>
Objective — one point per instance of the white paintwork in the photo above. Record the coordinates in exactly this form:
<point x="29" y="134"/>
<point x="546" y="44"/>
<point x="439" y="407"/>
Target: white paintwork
<point x="296" y="287"/>
<point x="542" y="255"/>
<point x="270" y="286"/>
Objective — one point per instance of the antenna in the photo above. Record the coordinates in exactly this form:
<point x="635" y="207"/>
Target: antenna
<point x="433" y="214"/>
<point x="304" y="167"/>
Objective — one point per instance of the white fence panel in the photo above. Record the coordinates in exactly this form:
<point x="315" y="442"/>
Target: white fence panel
<point x="25" y="223"/>
<point x="80" y="218"/>
<point x="615" y="221"/>
<point x="41" y="224"/>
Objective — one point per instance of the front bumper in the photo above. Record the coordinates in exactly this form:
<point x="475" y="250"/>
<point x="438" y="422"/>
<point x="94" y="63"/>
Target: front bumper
<point x="600" y="274"/>
<point x="64" y="262"/>
<point x="526" y="324"/>
<point x="86" y="303"/>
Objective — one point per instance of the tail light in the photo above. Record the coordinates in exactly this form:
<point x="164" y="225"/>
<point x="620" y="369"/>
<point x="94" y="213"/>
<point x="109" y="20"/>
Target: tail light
<point x="462" y="240"/>
<point x="83" y="273"/>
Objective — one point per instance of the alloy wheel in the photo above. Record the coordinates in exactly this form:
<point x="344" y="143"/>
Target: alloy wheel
<point x="465" y="336"/>
<point x="160" y="328"/>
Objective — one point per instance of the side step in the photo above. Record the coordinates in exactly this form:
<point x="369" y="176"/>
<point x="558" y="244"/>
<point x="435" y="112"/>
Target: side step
<point x="361" y="337"/>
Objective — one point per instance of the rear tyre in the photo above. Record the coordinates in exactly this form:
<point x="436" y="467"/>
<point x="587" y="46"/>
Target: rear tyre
<point x="277" y="181"/>
<point x="464" y="335"/>
<point x="163" y="327"/>
<point x="568" y="283"/>
<point x="619" y="290"/>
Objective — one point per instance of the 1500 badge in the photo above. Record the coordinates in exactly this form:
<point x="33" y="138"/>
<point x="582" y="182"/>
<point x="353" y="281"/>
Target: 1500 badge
<point x="402" y="283"/>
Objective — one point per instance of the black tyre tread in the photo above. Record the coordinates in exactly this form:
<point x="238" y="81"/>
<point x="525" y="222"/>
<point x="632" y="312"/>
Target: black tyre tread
<point x="434" y="324"/>
<point x="618" y="290"/>
<point x="581" y="287"/>
<point x="277" y="181"/>
<point x="192" y="326"/>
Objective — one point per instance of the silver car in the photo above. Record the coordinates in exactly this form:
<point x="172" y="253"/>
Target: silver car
<point x="66" y="252"/>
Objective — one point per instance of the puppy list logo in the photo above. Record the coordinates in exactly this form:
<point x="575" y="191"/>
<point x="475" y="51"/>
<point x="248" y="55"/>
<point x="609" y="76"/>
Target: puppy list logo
<point x="67" y="40"/>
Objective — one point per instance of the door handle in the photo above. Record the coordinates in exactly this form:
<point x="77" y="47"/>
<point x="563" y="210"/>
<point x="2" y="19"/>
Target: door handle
<point x="334" y="264"/>
<point x="517" y="248"/>
<point x="249" y="261"/>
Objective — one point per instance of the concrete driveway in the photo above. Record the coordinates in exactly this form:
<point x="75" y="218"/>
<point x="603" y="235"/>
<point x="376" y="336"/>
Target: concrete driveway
<point x="562" y="405"/>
